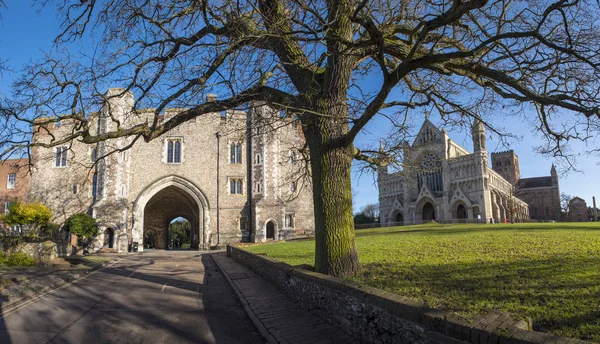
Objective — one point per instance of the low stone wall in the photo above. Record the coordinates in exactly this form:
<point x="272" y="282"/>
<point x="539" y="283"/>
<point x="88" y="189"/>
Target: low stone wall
<point x="43" y="250"/>
<point x="375" y="316"/>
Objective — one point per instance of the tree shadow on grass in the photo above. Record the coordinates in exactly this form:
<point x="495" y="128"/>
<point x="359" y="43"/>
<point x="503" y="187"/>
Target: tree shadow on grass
<point x="560" y="293"/>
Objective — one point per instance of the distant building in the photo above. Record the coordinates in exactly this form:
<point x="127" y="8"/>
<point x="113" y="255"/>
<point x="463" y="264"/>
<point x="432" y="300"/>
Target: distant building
<point x="14" y="182"/>
<point x="444" y="182"/>
<point x="542" y="194"/>
<point x="578" y="211"/>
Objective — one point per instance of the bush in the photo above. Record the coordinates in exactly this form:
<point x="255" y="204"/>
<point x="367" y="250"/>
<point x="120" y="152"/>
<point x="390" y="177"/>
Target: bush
<point x="20" y="259"/>
<point x="82" y="225"/>
<point x="3" y="258"/>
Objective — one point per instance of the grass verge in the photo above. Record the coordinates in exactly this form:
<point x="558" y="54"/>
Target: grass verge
<point x="549" y="271"/>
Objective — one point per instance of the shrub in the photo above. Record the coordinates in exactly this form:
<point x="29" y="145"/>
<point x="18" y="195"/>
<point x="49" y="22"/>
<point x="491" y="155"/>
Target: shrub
<point x="20" y="259"/>
<point x="3" y="258"/>
<point x="31" y="218"/>
<point x="82" y="225"/>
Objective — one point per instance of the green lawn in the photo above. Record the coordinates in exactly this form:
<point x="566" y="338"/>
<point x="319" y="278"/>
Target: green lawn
<point x="548" y="271"/>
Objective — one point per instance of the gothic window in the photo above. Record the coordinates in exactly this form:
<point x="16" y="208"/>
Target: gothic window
<point x="174" y="151"/>
<point x="235" y="153"/>
<point x="61" y="156"/>
<point x="12" y="181"/>
<point x="289" y="220"/>
<point x="430" y="173"/>
<point x="235" y="186"/>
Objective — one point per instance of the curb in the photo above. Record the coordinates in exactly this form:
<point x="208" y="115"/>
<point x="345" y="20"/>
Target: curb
<point x="257" y="323"/>
<point x="18" y="304"/>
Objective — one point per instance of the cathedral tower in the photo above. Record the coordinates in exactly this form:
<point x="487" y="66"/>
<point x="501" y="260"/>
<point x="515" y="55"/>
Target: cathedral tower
<point x="507" y="165"/>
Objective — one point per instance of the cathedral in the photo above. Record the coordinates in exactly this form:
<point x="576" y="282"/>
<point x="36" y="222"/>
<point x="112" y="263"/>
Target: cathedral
<point x="441" y="181"/>
<point x="235" y="176"/>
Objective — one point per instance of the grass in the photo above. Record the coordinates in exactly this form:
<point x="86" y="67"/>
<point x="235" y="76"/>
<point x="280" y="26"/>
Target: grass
<point x="548" y="271"/>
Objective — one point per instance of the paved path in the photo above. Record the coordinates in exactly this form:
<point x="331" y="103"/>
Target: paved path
<point x="279" y="319"/>
<point x="155" y="297"/>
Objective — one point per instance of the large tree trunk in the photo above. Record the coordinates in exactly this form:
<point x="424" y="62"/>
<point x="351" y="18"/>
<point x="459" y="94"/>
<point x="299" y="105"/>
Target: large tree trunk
<point x="335" y="252"/>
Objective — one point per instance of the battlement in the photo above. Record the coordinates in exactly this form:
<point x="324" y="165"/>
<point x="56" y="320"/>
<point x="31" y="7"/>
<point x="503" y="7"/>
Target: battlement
<point x="510" y="151"/>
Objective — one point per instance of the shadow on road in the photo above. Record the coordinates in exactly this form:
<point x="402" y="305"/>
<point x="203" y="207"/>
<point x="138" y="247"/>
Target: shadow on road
<point x="163" y="298"/>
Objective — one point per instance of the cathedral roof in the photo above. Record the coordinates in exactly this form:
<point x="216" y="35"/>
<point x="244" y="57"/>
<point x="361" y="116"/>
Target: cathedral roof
<point x="536" y="182"/>
<point x="427" y="134"/>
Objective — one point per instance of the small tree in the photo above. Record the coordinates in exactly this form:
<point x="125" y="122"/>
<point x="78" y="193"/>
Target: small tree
<point x="30" y="218"/>
<point x="564" y="205"/>
<point x="82" y="225"/>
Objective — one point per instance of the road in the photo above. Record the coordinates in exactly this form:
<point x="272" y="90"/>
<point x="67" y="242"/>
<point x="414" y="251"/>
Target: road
<point x="153" y="297"/>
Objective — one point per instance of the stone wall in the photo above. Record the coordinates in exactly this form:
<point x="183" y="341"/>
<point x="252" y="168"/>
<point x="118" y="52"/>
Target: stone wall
<point x="375" y="316"/>
<point x="41" y="250"/>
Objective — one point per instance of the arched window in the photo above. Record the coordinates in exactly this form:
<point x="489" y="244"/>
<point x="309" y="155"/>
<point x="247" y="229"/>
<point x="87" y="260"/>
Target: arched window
<point x="173" y="151"/>
<point x="430" y="173"/>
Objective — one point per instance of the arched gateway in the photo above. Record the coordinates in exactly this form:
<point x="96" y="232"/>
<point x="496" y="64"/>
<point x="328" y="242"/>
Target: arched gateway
<point x="164" y="200"/>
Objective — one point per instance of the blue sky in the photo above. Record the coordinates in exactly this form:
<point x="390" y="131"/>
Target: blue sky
<point x="26" y="34"/>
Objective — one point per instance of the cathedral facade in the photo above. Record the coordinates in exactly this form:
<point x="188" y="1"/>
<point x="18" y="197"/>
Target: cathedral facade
<point x="233" y="175"/>
<point x="441" y="181"/>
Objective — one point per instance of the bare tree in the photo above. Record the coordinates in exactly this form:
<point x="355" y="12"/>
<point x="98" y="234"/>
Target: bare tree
<point x="564" y="204"/>
<point x="335" y="63"/>
<point x="370" y="210"/>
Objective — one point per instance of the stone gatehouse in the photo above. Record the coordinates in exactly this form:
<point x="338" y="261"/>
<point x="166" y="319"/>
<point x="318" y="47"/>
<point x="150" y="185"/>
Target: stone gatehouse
<point x="236" y="176"/>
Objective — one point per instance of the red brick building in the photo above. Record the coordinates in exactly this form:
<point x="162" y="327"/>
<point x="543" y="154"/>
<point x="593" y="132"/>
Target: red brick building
<point x="14" y="182"/>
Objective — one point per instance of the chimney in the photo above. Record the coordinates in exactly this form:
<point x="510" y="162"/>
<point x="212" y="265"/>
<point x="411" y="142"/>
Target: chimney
<point x="211" y="98"/>
<point x="594" y="211"/>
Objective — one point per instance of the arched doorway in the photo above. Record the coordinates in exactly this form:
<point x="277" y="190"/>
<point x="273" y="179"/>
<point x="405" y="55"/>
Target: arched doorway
<point x="109" y="238"/>
<point x="165" y="200"/>
<point x="428" y="212"/>
<point x="461" y="212"/>
<point x="271" y="230"/>
<point x="399" y="220"/>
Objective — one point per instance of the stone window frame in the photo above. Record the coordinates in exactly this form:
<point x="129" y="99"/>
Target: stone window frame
<point x="11" y="183"/>
<point x="236" y="155"/>
<point x="173" y="139"/>
<point x="258" y="189"/>
<point x="289" y="219"/>
<point x="62" y="153"/>
<point x="235" y="184"/>
<point x="243" y="224"/>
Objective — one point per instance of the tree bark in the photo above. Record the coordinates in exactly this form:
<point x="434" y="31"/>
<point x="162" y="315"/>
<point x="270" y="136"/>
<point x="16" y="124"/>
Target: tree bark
<point x="335" y="251"/>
